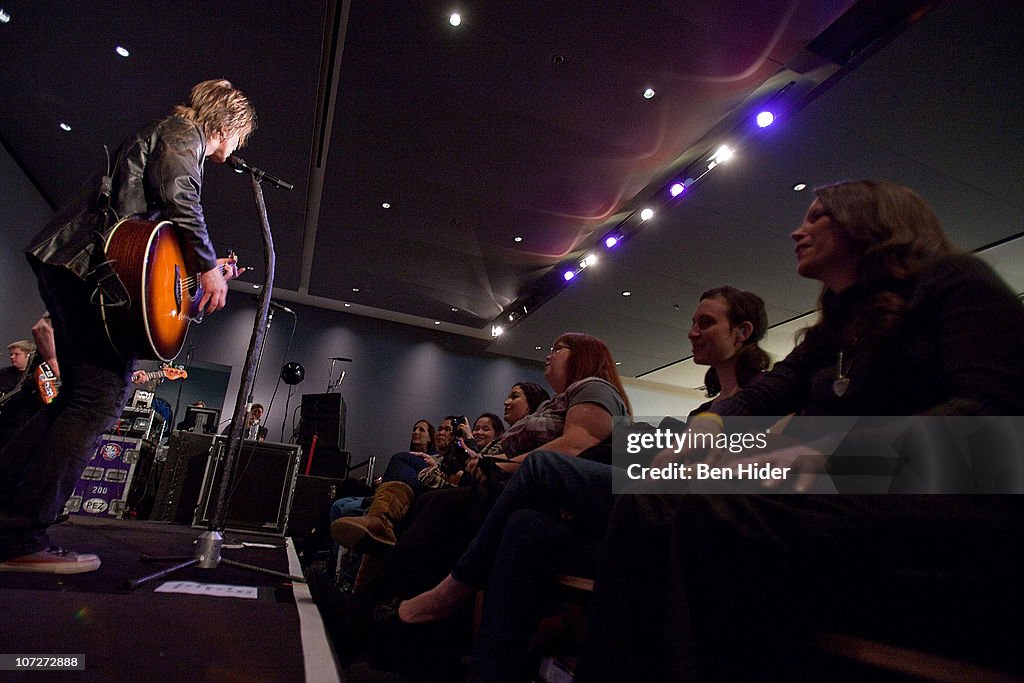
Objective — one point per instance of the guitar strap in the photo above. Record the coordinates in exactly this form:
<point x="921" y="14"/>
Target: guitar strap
<point x="103" y="277"/>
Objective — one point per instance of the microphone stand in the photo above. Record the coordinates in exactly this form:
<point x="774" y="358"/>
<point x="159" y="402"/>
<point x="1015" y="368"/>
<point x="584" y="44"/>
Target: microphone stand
<point x="208" y="545"/>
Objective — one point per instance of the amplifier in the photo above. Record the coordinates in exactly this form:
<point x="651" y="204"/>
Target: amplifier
<point x="311" y="504"/>
<point x="114" y="480"/>
<point x="141" y="423"/>
<point x="260" y="491"/>
<point x="181" y="478"/>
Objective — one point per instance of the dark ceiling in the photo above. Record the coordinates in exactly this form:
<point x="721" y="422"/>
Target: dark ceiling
<point x="528" y="120"/>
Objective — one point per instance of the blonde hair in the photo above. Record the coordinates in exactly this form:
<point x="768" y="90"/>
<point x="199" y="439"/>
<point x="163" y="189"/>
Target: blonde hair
<point x="23" y="344"/>
<point x="216" y="106"/>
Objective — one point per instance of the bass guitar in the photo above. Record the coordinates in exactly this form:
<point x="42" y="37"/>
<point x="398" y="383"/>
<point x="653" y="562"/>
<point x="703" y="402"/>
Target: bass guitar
<point x="164" y="297"/>
<point x="166" y="372"/>
<point x="46" y="381"/>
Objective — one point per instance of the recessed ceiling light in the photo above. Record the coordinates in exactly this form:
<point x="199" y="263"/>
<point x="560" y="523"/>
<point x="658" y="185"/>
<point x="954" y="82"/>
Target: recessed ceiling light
<point x="455" y="19"/>
<point x="355" y="289"/>
<point x="65" y="127"/>
<point x="765" y="119"/>
<point x="676" y="189"/>
<point x="649" y="93"/>
<point x="627" y="293"/>
<point x="517" y="238"/>
<point x="386" y="205"/>
<point x="122" y="50"/>
<point x="255" y="286"/>
<point x="5" y="18"/>
<point x="646" y="214"/>
<point x="618" y="363"/>
<point x="437" y="322"/>
<point x="454" y="310"/>
<point x="348" y="305"/>
<point x="537" y="348"/>
<point x="799" y="186"/>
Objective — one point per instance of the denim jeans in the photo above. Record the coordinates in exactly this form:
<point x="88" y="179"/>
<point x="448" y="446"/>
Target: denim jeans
<point x="517" y="552"/>
<point x="41" y="465"/>
<point x="547" y="482"/>
<point x="405" y="467"/>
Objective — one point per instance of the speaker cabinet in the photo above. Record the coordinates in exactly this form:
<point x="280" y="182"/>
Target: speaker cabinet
<point x="323" y="415"/>
<point x="260" y="491"/>
<point x="181" y="478"/>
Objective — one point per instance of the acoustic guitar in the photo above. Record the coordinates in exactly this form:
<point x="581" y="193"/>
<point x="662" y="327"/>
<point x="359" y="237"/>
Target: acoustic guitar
<point x="163" y="297"/>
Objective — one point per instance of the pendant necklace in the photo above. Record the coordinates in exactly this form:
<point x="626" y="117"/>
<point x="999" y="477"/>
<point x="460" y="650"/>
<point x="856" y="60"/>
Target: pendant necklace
<point x="842" y="382"/>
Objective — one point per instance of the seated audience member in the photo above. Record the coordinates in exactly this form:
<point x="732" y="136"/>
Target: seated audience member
<point x="554" y="503"/>
<point x="483" y="440"/>
<point x="393" y="495"/>
<point x="726" y="587"/>
<point x="578" y="421"/>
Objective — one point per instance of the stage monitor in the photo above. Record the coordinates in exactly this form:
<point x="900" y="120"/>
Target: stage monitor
<point x="200" y="420"/>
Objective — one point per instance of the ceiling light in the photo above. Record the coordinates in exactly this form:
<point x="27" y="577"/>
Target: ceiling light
<point x="355" y="289"/>
<point x="348" y="305"/>
<point x="723" y="153"/>
<point x="496" y="330"/>
<point x="568" y="275"/>
<point x="646" y="214"/>
<point x="649" y="93"/>
<point x="799" y="186"/>
<point x="65" y="127"/>
<point x="537" y="348"/>
<point x="255" y="286"/>
<point x="517" y="238"/>
<point x="454" y="310"/>
<point x="455" y="19"/>
<point x="5" y="18"/>
<point x="765" y="119"/>
<point x="385" y="205"/>
<point x="627" y="293"/>
<point x="618" y="363"/>
<point x="676" y="189"/>
<point x="437" y="322"/>
<point x="610" y="241"/>
<point x="122" y="50"/>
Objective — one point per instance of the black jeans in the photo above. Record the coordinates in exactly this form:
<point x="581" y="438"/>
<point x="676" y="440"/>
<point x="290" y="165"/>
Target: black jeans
<point x="41" y="465"/>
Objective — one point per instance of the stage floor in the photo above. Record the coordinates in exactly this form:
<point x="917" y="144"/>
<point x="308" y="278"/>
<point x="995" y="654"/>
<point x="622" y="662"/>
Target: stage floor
<point x="146" y="635"/>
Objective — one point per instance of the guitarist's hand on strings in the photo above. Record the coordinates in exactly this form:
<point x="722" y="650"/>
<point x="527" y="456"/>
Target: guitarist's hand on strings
<point x="215" y="283"/>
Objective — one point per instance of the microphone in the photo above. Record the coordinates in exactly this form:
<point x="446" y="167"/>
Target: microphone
<point x="346" y="360"/>
<point x="281" y="307"/>
<point x="238" y="163"/>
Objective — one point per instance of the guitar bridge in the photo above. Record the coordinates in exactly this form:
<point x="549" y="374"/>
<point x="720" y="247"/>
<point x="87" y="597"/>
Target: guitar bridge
<point x="177" y="286"/>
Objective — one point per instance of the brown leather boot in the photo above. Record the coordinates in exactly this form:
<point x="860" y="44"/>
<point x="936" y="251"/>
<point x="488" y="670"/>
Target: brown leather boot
<point x="377" y="527"/>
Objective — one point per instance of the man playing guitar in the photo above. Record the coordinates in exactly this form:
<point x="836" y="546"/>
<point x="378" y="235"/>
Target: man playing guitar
<point x="157" y="169"/>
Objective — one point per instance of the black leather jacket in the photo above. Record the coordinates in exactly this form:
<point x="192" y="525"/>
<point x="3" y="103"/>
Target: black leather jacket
<point x="158" y="170"/>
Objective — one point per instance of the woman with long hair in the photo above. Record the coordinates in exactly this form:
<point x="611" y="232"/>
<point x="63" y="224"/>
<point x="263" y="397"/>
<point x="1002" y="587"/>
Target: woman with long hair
<point x="725" y="587"/>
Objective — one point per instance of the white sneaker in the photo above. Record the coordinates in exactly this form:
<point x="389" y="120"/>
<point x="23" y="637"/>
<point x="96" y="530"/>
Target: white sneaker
<point x="53" y="560"/>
